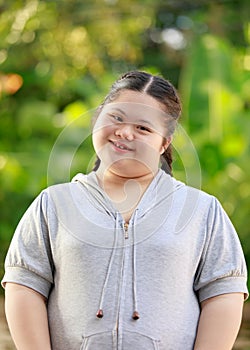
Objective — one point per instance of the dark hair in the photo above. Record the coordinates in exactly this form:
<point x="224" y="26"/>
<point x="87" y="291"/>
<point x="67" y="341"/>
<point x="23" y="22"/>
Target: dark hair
<point x="160" y="89"/>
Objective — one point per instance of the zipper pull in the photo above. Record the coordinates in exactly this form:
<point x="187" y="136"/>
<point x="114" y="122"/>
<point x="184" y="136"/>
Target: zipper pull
<point x="125" y="230"/>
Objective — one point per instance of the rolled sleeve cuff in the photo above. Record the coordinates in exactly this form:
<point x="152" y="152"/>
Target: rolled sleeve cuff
<point x="224" y="286"/>
<point x="27" y="278"/>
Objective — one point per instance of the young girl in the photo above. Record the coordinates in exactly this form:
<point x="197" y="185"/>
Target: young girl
<point x="126" y="257"/>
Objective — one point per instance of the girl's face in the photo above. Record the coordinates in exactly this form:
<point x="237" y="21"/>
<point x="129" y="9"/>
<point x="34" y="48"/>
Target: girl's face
<point x="129" y="135"/>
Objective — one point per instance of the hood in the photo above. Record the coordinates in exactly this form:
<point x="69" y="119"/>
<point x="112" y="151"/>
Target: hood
<point x="159" y="190"/>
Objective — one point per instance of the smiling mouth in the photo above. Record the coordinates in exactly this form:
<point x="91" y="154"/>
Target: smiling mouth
<point x="121" y="146"/>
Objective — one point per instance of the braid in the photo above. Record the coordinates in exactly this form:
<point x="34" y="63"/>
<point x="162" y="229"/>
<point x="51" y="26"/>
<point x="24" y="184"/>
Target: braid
<point x="97" y="164"/>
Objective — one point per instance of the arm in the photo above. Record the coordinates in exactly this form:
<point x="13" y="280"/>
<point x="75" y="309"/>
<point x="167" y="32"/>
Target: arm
<point x="220" y="321"/>
<point x="26" y="315"/>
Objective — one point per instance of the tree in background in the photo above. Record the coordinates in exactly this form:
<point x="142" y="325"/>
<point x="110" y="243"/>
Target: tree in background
<point x="57" y="59"/>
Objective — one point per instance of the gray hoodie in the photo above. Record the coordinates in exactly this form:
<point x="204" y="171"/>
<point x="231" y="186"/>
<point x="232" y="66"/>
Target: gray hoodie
<point x="179" y="249"/>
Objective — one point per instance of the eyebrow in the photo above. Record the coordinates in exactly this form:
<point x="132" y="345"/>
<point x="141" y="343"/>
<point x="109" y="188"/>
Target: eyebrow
<point x="138" y="121"/>
<point x="119" y="110"/>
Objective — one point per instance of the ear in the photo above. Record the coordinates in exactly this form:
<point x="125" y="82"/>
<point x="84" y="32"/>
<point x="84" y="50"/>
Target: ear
<point x="166" y="143"/>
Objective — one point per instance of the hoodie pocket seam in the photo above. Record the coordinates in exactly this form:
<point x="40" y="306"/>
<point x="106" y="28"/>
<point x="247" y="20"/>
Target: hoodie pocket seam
<point x="155" y="341"/>
<point x="86" y="338"/>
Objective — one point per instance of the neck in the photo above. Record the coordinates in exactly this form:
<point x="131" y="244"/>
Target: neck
<point x="124" y="192"/>
<point x="109" y="177"/>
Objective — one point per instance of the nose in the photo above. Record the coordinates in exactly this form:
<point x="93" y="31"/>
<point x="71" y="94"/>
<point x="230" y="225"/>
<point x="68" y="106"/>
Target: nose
<point x="125" y="131"/>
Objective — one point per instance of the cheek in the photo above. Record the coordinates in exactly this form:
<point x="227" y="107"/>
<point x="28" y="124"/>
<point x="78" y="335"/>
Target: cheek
<point x="151" y="148"/>
<point x="154" y="145"/>
<point x="97" y="139"/>
<point x="100" y="136"/>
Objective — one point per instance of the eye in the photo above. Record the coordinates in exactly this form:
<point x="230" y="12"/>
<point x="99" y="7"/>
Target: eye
<point x="143" y="128"/>
<point x="117" y="118"/>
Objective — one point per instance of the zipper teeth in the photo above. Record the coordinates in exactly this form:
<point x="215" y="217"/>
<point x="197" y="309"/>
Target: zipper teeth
<point x="126" y="230"/>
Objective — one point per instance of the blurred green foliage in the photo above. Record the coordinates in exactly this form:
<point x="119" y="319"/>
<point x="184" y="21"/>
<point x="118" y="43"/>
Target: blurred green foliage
<point x="58" y="60"/>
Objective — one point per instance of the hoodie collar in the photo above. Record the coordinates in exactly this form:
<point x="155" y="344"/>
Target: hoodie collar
<point x="160" y="188"/>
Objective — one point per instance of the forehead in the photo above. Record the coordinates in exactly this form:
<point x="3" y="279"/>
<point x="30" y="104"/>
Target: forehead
<point x="138" y="97"/>
<point x="134" y="106"/>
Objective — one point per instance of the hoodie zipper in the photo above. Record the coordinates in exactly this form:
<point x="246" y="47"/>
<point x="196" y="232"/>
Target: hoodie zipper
<point x="125" y="230"/>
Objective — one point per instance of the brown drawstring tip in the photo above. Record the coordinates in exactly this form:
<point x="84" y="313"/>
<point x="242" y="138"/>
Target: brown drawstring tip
<point x="99" y="313"/>
<point x="136" y="315"/>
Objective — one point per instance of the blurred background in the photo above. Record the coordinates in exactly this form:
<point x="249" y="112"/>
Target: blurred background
<point x="58" y="60"/>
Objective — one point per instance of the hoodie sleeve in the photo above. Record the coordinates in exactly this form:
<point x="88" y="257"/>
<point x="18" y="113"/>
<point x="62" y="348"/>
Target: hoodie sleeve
<point x="29" y="259"/>
<point x="222" y="268"/>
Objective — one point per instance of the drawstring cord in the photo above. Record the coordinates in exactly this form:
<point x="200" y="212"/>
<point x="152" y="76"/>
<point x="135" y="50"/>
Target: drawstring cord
<point x="136" y="314"/>
<point x="99" y="313"/>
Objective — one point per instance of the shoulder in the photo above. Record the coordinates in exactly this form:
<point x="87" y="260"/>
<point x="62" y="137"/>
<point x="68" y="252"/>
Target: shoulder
<point x="197" y="200"/>
<point x="58" y="193"/>
<point x="189" y="193"/>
